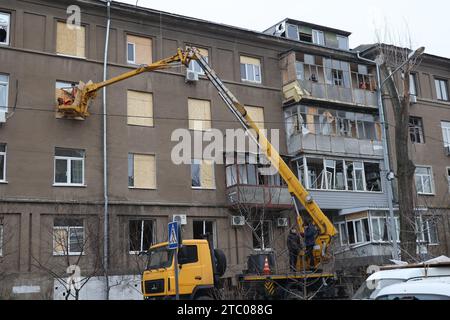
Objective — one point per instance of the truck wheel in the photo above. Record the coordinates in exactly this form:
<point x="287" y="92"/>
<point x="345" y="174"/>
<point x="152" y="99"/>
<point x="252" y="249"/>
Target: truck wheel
<point x="221" y="262"/>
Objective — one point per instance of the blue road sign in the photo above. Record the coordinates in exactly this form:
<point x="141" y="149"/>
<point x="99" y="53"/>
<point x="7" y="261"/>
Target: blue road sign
<point x="173" y="235"/>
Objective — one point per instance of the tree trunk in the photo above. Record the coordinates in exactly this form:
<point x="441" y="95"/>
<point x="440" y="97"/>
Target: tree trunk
<point x="405" y="167"/>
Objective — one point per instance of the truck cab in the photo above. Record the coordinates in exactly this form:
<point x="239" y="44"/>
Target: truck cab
<point x="199" y="270"/>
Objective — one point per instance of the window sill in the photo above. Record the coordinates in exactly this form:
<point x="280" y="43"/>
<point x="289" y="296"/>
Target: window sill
<point x="69" y="185"/>
<point x="70" y="56"/>
<point x="3" y="182"/>
<point x="139" y="125"/>
<point x="205" y="189"/>
<point x="136" y="188"/>
<point x="251" y="82"/>
<point x="70" y="254"/>
<point x="426" y="194"/>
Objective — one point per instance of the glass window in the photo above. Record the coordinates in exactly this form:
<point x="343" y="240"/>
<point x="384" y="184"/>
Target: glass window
<point x="342" y="42"/>
<point x="292" y="32"/>
<point x="441" y="89"/>
<point x="355" y="175"/>
<point x="131" y="57"/>
<point x="446" y="133"/>
<point x="194" y="66"/>
<point x="202" y="174"/>
<point x="187" y="254"/>
<point x="424" y="180"/>
<point x="4" y="85"/>
<point x="412" y="84"/>
<point x="204" y="227"/>
<point x="318" y="37"/>
<point x="2" y="162"/>
<point x="195" y="173"/>
<point x="416" y="130"/>
<point x="68" y="236"/>
<point x="4" y="28"/>
<point x="373" y="177"/>
<point x="300" y="70"/>
<point x="231" y="175"/>
<point x="140" y="235"/>
<point x="261" y="235"/>
<point x="250" y="69"/>
<point x="69" y="166"/>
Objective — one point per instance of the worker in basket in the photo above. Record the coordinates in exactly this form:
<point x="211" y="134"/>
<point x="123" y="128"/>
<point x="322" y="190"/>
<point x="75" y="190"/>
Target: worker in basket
<point x="68" y="96"/>
<point x="310" y="235"/>
<point x="294" y="245"/>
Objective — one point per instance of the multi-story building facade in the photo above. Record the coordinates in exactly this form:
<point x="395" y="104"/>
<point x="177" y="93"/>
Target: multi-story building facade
<point x="296" y="77"/>
<point x="428" y="149"/>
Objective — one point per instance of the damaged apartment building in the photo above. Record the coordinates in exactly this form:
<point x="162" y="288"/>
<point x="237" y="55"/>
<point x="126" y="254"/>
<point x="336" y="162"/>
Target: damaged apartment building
<point x="296" y="77"/>
<point x="333" y="137"/>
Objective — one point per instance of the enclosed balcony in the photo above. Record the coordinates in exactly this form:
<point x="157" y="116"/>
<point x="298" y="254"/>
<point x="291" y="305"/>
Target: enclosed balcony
<point x="324" y="79"/>
<point x="248" y="187"/>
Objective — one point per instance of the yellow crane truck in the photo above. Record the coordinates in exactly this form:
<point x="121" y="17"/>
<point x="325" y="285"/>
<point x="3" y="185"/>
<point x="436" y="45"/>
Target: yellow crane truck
<point x="200" y="266"/>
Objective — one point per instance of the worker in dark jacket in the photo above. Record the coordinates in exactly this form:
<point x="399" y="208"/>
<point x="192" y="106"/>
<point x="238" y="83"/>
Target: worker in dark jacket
<point x="294" y="245"/>
<point x="310" y="241"/>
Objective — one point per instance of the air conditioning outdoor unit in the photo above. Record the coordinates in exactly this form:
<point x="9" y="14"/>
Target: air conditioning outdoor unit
<point x="2" y="117"/>
<point x="238" y="221"/>
<point x="181" y="218"/>
<point x="191" y="76"/>
<point x="282" y="222"/>
<point x="413" y="99"/>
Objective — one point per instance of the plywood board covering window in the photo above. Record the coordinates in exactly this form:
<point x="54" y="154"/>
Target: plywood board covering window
<point x="144" y="171"/>
<point x="199" y="114"/>
<point x="257" y="114"/>
<point x="249" y="60"/>
<point x="70" y="42"/>
<point x="140" y="108"/>
<point x="142" y="50"/>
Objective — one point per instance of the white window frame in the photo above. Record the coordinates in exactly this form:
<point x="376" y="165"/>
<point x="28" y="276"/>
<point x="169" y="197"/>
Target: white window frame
<point x="379" y="224"/>
<point x="2" y="230"/>
<point x="342" y="228"/>
<point x="255" y="67"/>
<point x="69" y="171"/>
<point x="214" y="228"/>
<point x="316" y="37"/>
<point x="3" y="154"/>
<point x="346" y="42"/>
<point x="6" y="85"/>
<point x="8" y="30"/>
<point x="194" y="66"/>
<point x="297" y="37"/>
<point x="422" y="180"/>
<point x="421" y="231"/>
<point x="445" y="126"/>
<point x="441" y="88"/>
<point x="131" y="61"/>
<point x="448" y="177"/>
<point x="141" y="234"/>
<point x="68" y="252"/>
<point x="362" y="234"/>
<point x="413" y="84"/>
<point x="418" y="127"/>
<point x="270" y="232"/>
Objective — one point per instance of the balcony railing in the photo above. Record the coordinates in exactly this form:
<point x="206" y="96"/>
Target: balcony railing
<point x="270" y="197"/>
<point x="362" y="97"/>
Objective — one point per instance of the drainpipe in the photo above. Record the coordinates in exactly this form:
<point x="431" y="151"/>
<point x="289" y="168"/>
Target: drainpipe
<point x="387" y="165"/>
<point x="105" y="160"/>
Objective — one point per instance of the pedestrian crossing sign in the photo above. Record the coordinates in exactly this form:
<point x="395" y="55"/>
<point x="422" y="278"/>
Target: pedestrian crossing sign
<point x="173" y="235"/>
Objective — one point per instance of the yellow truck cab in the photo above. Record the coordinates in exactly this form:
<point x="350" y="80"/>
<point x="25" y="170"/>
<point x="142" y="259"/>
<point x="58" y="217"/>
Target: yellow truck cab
<point x="200" y="267"/>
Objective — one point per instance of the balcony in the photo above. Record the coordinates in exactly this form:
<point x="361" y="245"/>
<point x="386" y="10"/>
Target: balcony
<point x="324" y="79"/>
<point x="269" y="197"/>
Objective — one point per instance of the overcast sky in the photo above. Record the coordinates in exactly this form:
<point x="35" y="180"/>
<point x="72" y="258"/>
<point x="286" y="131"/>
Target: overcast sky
<point x="427" y="20"/>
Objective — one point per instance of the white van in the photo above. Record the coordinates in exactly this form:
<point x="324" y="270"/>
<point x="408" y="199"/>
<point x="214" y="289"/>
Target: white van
<point x="424" y="289"/>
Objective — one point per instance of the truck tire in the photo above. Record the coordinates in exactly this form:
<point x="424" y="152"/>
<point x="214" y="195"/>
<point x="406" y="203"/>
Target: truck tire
<point x="221" y="262"/>
<point x="203" y="297"/>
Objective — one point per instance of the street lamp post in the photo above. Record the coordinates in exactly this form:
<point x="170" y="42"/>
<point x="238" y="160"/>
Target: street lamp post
<point x="389" y="178"/>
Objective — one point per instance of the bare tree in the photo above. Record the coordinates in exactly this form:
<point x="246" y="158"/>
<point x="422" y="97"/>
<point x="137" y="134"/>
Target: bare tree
<point x="394" y="59"/>
<point x="75" y="257"/>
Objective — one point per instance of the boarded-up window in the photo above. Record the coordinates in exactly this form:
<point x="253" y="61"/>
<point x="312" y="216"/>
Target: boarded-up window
<point x="257" y="114"/>
<point x="72" y="41"/>
<point x="141" y="171"/>
<point x="139" y="50"/>
<point x="199" y="114"/>
<point x="202" y="174"/>
<point x="140" y="108"/>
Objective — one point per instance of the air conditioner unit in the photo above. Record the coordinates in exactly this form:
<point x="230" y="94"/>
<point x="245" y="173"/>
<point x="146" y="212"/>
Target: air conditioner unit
<point x="413" y="99"/>
<point x="447" y="150"/>
<point x="238" y="221"/>
<point x="191" y="76"/>
<point x="180" y="218"/>
<point x="2" y="117"/>
<point x="282" y="222"/>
